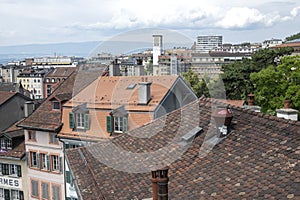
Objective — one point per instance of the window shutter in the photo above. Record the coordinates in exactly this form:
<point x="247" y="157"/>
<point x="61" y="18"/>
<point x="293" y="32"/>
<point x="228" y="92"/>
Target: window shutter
<point x="27" y="158"/>
<point x="86" y="121"/>
<point x="71" y="120"/>
<point x="6" y="194"/>
<point x="68" y="178"/>
<point x="48" y="162"/>
<point x="21" y="195"/>
<point x="125" y="124"/>
<point x="109" y="124"/>
<point x="19" y="172"/>
<point x="5" y="169"/>
<point x="38" y="160"/>
<point x="60" y="165"/>
<point x="67" y="145"/>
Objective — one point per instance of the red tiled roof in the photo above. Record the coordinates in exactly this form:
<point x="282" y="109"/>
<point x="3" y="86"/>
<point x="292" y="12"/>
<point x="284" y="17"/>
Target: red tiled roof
<point x="44" y="117"/>
<point x="259" y="159"/>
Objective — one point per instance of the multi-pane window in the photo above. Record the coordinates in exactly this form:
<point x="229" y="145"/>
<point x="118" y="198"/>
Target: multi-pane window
<point x="45" y="190"/>
<point x="55" y="163"/>
<point x="10" y="169"/>
<point x="5" y="143"/>
<point x="118" y="124"/>
<point x="55" y="105"/>
<point x="34" y="188"/>
<point x="13" y="170"/>
<point x="33" y="159"/>
<point x="44" y="161"/>
<point x="15" y="195"/>
<point x="79" y="120"/>
<point x="52" y="138"/>
<point x="31" y="135"/>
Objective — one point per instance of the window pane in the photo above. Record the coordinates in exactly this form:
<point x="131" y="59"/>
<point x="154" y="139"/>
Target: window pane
<point x="55" y="192"/>
<point x="45" y="190"/>
<point x="34" y="188"/>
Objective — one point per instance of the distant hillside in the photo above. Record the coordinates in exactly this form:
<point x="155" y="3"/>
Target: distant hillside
<point x="293" y="37"/>
<point x="80" y="48"/>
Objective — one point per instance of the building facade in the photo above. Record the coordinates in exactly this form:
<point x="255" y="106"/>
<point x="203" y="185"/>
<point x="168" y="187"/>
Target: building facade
<point x="157" y="48"/>
<point x="32" y="80"/>
<point x="205" y="43"/>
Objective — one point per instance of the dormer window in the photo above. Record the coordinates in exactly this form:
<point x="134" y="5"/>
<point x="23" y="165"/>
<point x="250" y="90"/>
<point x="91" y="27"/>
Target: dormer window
<point x="79" y="118"/>
<point x="117" y="121"/>
<point x="55" y="105"/>
<point x="5" y="143"/>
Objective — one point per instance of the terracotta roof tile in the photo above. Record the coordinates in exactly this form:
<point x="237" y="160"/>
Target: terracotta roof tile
<point x="44" y="118"/>
<point x="111" y="92"/>
<point x="259" y="159"/>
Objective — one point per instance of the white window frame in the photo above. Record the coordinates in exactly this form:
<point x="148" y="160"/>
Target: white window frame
<point x="55" y="163"/>
<point x="13" y="170"/>
<point x="79" y="117"/>
<point x="44" y="161"/>
<point x="118" y="124"/>
<point x="3" y="143"/>
<point x="33" y="159"/>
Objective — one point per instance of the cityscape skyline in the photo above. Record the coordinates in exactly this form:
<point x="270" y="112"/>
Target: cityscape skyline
<point x="80" y="21"/>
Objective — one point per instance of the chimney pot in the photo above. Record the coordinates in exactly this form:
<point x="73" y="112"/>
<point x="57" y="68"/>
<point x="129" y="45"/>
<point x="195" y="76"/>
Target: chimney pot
<point x="250" y="99"/>
<point x="160" y="181"/>
<point x="287" y="104"/>
<point x="223" y="117"/>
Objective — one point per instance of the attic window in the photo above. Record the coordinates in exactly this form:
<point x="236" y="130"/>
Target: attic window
<point x="5" y="143"/>
<point x="55" y="105"/>
<point x="131" y="86"/>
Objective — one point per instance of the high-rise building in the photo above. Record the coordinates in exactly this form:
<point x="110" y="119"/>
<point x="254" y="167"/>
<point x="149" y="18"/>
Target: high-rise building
<point x="207" y="43"/>
<point x="157" y="48"/>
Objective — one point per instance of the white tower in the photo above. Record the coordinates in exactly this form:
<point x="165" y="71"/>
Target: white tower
<point x="157" y="48"/>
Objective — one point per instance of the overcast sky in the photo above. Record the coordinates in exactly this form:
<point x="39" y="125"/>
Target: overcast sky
<point x="55" y="21"/>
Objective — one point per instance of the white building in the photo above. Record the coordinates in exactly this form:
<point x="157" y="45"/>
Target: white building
<point x="157" y="48"/>
<point x="271" y="43"/>
<point x="205" y="44"/>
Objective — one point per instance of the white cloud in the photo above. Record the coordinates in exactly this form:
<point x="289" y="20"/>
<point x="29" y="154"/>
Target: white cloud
<point x="108" y="17"/>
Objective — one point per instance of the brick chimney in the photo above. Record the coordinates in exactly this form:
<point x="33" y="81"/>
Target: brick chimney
<point x="160" y="181"/>
<point x="251" y="104"/>
<point x="144" y="93"/>
<point x="223" y="116"/>
<point x="286" y="112"/>
<point x="250" y="99"/>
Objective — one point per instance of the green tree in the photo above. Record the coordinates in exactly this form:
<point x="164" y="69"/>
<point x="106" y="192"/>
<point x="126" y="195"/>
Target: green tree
<point x="293" y="37"/>
<point x="274" y="84"/>
<point x="236" y="76"/>
<point x="199" y="87"/>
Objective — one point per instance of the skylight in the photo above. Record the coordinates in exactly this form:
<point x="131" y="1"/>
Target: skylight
<point x="131" y="86"/>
